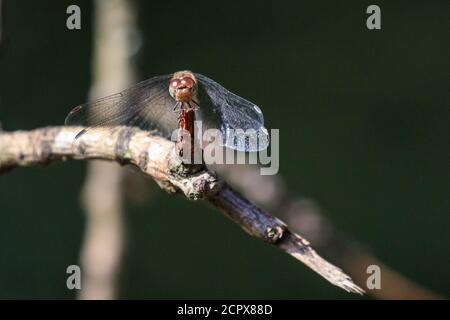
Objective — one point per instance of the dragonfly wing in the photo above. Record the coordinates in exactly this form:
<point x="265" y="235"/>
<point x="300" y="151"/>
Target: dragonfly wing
<point x="147" y="105"/>
<point x="240" y="121"/>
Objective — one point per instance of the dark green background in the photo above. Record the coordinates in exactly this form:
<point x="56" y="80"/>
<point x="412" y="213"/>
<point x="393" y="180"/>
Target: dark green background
<point x="364" y="125"/>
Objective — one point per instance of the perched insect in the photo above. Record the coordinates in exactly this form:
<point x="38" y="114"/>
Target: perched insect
<point x="169" y="102"/>
<point x="183" y="88"/>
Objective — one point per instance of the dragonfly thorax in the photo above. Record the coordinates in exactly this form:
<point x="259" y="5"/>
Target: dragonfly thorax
<point x="183" y="86"/>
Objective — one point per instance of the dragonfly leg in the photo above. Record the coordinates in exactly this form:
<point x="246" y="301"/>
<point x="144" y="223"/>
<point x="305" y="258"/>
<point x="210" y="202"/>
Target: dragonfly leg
<point x="177" y="105"/>
<point x="195" y="107"/>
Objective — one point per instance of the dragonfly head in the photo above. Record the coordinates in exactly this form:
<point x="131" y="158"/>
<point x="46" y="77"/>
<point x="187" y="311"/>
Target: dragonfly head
<point x="183" y="86"/>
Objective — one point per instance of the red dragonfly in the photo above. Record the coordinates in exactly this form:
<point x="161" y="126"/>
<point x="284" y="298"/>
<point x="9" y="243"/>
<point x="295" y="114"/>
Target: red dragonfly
<point x="169" y="102"/>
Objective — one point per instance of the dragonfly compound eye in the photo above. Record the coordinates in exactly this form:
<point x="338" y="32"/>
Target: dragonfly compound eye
<point x="187" y="82"/>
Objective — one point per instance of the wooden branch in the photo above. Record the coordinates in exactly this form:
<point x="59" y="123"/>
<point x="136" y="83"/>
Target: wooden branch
<point x="306" y="217"/>
<point x="156" y="157"/>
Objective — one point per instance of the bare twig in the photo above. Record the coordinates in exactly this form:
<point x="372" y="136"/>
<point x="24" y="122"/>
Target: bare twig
<point x="156" y="157"/>
<point x="305" y="216"/>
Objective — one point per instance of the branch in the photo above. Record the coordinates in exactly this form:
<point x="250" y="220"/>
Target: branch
<point x="306" y="217"/>
<point x="156" y="157"/>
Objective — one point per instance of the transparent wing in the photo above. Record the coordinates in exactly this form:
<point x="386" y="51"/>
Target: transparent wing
<point x="147" y="105"/>
<point x="240" y="121"/>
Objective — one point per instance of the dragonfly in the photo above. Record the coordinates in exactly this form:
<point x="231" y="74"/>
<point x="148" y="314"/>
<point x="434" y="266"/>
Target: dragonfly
<point x="170" y="102"/>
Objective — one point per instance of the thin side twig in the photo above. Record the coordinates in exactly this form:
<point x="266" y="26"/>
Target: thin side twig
<point x="155" y="156"/>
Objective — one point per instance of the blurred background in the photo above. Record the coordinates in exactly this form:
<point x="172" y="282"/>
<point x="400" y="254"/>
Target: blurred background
<point x="364" y="130"/>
